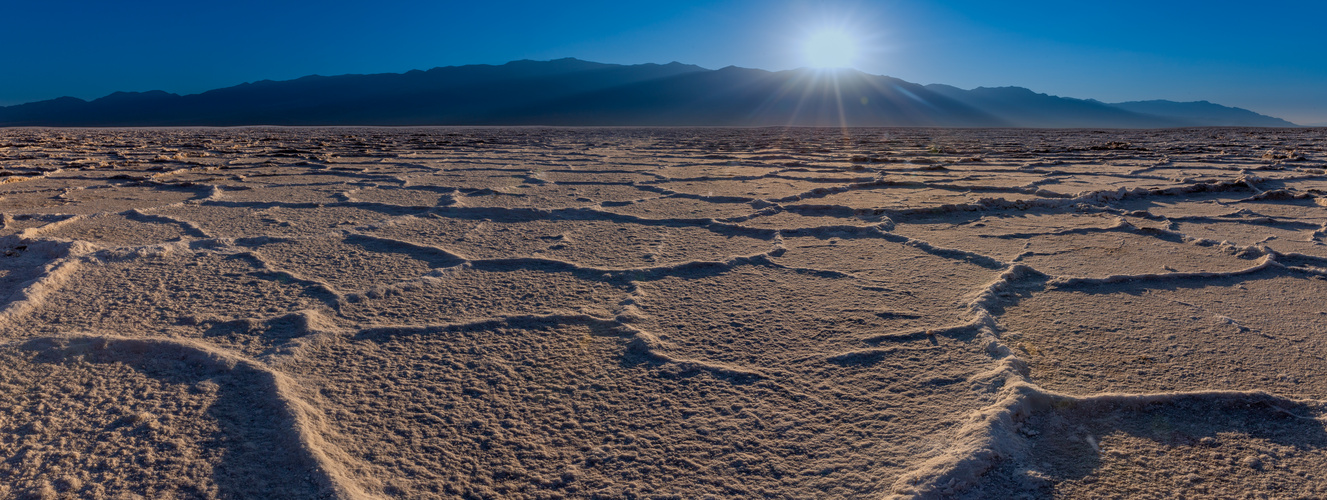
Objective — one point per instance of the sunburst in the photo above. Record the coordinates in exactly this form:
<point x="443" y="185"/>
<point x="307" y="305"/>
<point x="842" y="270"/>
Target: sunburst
<point x="830" y="48"/>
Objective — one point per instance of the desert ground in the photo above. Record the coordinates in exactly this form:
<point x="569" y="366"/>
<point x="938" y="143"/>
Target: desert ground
<point x="663" y="313"/>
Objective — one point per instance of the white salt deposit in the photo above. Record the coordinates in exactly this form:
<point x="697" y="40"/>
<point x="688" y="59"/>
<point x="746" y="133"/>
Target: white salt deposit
<point x="662" y="313"/>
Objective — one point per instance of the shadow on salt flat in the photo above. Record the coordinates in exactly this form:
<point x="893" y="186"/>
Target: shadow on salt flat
<point x="92" y="417"/>
<point x="1208" y="445"/>
<point x="22" y="261"/>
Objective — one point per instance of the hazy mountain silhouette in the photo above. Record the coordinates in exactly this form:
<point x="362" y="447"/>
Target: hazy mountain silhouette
<point x="575" y="92"/>
<point x="1200" y="111"/>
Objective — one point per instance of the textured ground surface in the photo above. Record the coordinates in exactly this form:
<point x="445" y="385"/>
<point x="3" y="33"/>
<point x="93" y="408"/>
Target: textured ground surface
<point x="672" y="313"/>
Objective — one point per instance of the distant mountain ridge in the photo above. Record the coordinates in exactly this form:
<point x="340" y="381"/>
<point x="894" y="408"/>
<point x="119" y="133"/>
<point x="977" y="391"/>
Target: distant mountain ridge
<point x="572" y="92"/>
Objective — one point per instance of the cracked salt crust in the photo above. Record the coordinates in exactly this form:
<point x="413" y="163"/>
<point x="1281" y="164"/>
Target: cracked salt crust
<point x="542" y="313"/>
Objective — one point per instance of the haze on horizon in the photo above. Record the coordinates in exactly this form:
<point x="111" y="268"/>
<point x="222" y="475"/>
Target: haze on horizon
<point x="1264" y="59"/>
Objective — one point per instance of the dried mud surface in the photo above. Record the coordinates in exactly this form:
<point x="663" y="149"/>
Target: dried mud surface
<point x="662" y="313"/>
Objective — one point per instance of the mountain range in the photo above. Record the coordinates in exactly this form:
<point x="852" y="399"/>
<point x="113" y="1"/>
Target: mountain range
<point x="572" y="92"/>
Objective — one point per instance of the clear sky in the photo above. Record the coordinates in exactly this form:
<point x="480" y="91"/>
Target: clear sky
<point x="1267" y="56"/>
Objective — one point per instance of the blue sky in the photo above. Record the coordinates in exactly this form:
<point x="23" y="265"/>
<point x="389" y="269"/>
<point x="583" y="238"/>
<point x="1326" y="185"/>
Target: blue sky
<point x="1265" y="56"/>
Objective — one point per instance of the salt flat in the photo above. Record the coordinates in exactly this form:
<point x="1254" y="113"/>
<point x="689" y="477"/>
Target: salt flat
<point x="663" y="313"/>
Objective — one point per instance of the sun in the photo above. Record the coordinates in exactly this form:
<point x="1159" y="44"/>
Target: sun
<point x="830" y="49"/>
